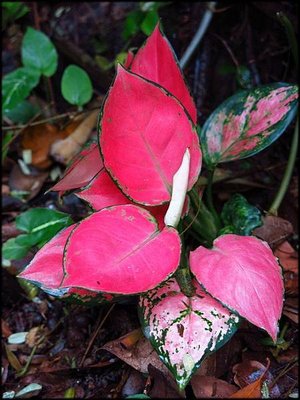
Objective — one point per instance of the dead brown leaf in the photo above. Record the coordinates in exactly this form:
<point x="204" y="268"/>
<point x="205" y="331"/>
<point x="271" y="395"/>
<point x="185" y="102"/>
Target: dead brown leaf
<point x="32" y="184"/>
<point x="63" y="150"/>
<point x="139" y="356"/>
<point x="274" y="230"/>
<point x="249" y="376"/>
<point x="38" y="139"/>
<point x="161" y="387"/>
<point x="209" y="386"/>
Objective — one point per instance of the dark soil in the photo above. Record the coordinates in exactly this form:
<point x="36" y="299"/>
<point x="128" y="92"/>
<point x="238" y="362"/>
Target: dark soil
<point x="245" y="35"/>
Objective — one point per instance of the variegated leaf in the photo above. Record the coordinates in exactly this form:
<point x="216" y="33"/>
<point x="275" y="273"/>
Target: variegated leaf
<point x="184" y="330"/>
<point x="248" y="122"/>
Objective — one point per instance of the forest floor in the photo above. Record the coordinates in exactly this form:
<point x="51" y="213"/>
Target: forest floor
<point x="80" y="352"/>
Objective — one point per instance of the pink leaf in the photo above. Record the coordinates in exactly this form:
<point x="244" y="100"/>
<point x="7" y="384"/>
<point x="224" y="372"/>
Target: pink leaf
<point x="144" y="134"/>
<point x="46" y="271"/>
<point x="46" y="268"/>
<point x="120" y="250"/>
<point x="102" y="192"/>
<point x="248" y="122"/>
<point x="157" y="62"/>
<point x="129" y="59"/>
<point x="184" y="330"/>
<point x="242" y="273"/>
<point x="83" y="168"/>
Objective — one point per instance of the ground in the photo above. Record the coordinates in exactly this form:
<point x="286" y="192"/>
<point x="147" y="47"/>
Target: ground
<point x="67" y="352"/>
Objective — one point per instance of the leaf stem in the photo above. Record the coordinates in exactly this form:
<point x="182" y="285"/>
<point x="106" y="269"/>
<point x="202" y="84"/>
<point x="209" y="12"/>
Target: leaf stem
<point x="209" y="198"/>
<point x="287" y="174"/>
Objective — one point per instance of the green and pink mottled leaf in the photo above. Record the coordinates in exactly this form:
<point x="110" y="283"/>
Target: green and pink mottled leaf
<point x="120" y="250"/>
<point x="46" y="271"/>
<point x="144" y="133"/>
<point x="248" y="122"/>
<point x="157" y="62"/>
<point x="184" y="330"/>
<point x="242" y="273"/>
<point x="82" y="170"/>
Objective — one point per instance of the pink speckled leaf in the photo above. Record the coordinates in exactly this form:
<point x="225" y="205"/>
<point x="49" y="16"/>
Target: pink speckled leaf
<point x="242" y="273"/>
<point x="120" y="250"/>
<point x="157" y="62"/>
<point x="46" y="271"/>
<point x="248" y="122"/>
<point x="82" y="169"/>
<point x="184" y="330"/>
<point x="144" y="132"/>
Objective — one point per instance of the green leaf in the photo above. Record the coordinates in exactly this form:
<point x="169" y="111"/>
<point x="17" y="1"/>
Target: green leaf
<point x="76" y="86"/>
<point x="12" y="11"/>
<point x="11" y="250"/>
<point x="132" y="23"/>
<point x="38" y="52"/>
<point x="40" y="224"/>
<point x="149" y="22"/>
<point x="239" y="216"/>
<point x="5" y="144"/>
<point x="22" y="113"/>
<point x="16" y="86"/>
<point x="248" y="122"/>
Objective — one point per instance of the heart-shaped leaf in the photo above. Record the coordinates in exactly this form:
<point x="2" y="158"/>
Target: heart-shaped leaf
<point x="144" y="134"/>
<point x="242" y="273"/>
<point x="38" y="52"/>
<point x="46" y="271"/>
<point x="248" y="122"/>
<point x="82" y="170"/>
<point x="184" y="330"/>
<point x="127" y="253"/>
<point x="157" y="62"/>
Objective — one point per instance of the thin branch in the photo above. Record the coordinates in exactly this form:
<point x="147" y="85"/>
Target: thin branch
<point x="204" y="24"/>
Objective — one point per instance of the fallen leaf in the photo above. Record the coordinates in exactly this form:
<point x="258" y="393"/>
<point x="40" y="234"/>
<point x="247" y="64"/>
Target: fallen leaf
<point x="32" y="184"/>
<point x="288" y="257"/>
<point x="12" y="359"/>
<point x="274" y="230"/>
<point x="162" y="387"/>
<point x="249" y="376"/>
<point x="211" y="387"/>
<point x="38" y="139"/>
<point x="139" y="356"/>
<point x="63" y="150"/>
<point x="134" y="384"/>
<point x="290" y="309"/>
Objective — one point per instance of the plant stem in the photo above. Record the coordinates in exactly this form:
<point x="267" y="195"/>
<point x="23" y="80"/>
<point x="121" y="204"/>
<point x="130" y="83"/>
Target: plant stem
<point x="183" y="274"/>
<point x="287" y="174"/>
<point x="204" y="23"/>
<point x="209" y="198"/>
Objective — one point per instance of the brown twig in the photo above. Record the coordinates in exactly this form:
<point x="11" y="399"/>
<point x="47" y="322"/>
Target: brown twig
<point x="99" y="326"/>
<point x="235" y="61"/>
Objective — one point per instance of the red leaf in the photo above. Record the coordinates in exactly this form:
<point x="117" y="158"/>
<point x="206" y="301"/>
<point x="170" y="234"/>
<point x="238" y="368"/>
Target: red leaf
<point x="242" y="272"/>
<point x="184" y="330"/>
<point x="144" y="134"/>
<point x="46" y="268"/>
<point x="120" y="250"/>
<point x="157" y="62"/>
<point x="46" y="271"/>
<point x="102" y="192"/>
<point x="129" y="59"/>
<point x="83" y="168"/>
